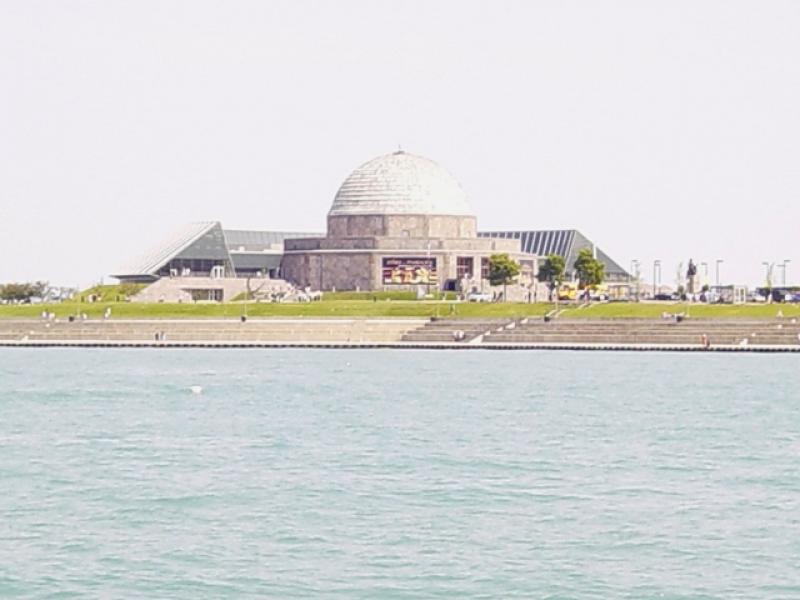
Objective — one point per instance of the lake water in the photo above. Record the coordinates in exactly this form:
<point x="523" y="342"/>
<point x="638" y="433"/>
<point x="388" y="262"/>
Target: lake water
<point x="398" y="474"/>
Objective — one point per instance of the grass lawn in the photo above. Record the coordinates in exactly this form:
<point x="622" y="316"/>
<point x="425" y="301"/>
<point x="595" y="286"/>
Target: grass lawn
<point x="624" y="310"/>
<point x="112" y="293"/>
<point x="344" y="307"/>
<point x="325" y="308"/>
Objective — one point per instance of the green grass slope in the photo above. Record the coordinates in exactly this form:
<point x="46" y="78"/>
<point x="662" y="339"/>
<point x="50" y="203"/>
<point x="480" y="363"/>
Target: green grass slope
<point x="623" y="310"/>
<point x="342" y="306"/>
<point x="325" y="308"/>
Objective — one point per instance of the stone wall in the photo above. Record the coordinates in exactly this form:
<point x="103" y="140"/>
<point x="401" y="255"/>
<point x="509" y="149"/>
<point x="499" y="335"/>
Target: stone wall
<point x="465" y="245"/>
<point x="295" y="269"/>
<point x="468" y="245"/>
<point x="329" y="270"/>
<point x="351" y="256"/>
<point x="347" y="270"/>
<point x="310" y="244"/>
<point x="356" y="226"/>
<point x="343" y="271"/>
<point x="402" y="226"/>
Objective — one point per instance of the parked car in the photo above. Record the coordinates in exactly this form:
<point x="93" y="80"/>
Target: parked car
<point x="479" y="297"/>
<point x="710" y="297"/>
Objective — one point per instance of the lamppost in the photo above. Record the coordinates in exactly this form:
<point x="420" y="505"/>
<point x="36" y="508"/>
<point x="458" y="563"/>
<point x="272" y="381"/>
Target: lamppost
<point x="768" y="266"/>
<point x="719" y="262"/>
<point x="246" y="294"/>
<point x="78" y="306"/>
<point x="785" y="262"/>
<point x="656" y="281"/>
<point x="635" y="272"/>
<point x="428" y="282"/>
<point x="705" y="274"/>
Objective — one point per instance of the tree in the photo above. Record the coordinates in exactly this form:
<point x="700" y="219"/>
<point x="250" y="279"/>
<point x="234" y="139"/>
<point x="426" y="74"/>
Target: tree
<point x="552" y="272"/>
<point x="502" y="270"/>
<point x="22" y="292"/>
<point x="590" y="270"/>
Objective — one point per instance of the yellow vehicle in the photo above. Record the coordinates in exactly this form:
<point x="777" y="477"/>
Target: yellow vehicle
<point x="568" y="291"/>
<point x="599" y="292"/>
<point x="571" y="291"/>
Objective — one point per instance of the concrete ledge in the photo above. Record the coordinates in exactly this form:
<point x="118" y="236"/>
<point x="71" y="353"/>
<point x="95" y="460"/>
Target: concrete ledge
<point x="485" y="334"/>
<point x="397" y="345"/>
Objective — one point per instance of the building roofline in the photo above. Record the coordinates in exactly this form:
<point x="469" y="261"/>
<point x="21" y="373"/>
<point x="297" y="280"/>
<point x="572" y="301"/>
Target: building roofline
<point x="173" y="244"/>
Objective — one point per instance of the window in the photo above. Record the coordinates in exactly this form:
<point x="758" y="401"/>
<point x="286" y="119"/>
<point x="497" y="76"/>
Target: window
<point x="485" y="267"/>
<point x="464" y="267"/>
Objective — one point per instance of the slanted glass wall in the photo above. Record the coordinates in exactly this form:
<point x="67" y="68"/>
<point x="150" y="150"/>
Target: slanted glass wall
<point x="192" y="267"/>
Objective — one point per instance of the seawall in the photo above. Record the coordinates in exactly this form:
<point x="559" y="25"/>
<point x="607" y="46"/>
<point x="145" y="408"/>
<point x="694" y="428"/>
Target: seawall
<point x="493" y="334"/>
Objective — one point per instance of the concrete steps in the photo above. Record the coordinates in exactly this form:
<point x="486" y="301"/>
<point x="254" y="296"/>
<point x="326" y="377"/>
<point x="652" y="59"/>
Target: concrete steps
<point x="489" y="332"/>
<point x="253" y="330"/>
<point x="638" y="332"/>
<point x="688" y="332"/>
<point x="445" y="330"/>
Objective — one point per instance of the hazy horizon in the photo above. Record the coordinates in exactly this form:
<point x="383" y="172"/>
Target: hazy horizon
<point x="660" y="130"/>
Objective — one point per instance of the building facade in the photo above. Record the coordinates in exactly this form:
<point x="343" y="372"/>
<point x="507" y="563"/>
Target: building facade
<point x="399" y="221"/>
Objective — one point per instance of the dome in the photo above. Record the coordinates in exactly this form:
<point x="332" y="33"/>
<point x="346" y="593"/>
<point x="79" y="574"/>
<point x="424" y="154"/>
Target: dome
<point x="400" y="183"/>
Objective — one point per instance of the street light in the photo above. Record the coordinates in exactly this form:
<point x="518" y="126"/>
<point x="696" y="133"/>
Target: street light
<point x="768" y="266"/>
<point x="246" y="290"/>
<point x="786" y="261"/>
<point x="428" y="282"/>
<point x="656" y="268"/>
<point x="635" y="273"/>
<point x="719" y="262"/>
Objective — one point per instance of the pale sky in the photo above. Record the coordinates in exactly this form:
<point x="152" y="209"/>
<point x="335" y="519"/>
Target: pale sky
<point x="662" y="130"/>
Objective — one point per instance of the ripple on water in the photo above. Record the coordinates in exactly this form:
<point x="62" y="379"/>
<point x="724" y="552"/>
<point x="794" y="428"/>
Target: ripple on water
<point x="398" y="474"/>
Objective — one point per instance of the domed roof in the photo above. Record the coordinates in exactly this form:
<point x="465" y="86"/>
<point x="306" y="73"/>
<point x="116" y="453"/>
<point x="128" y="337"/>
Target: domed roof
<point x="400" y="183"/>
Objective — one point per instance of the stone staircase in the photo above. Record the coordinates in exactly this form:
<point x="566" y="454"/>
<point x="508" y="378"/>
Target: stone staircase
<point x="450" y="330"/>
<point x="651" y="332"/>
<point x="474" y="332"/>
<point x="211" y="330"/>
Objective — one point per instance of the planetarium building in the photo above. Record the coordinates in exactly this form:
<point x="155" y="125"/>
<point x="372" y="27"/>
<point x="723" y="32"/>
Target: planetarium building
<point x="399" y="220"/>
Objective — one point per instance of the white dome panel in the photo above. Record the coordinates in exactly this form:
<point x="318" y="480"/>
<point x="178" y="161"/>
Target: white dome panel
<point x="400" y="183"/>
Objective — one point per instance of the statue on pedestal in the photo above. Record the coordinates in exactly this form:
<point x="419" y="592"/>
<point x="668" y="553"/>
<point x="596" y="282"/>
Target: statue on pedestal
<point x="692" y="283"/>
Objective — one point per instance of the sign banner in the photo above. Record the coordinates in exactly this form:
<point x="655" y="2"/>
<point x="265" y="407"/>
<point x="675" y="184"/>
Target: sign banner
<point x="409" y="271"/>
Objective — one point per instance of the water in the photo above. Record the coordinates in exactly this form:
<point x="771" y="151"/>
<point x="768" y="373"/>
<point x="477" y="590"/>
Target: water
<point x="398" y="474"/>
